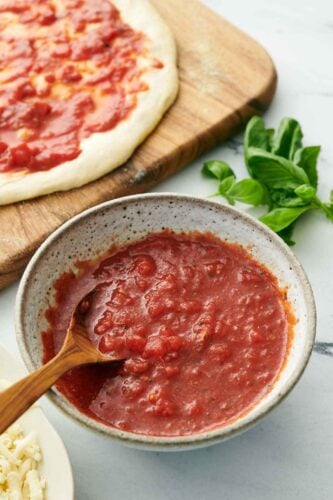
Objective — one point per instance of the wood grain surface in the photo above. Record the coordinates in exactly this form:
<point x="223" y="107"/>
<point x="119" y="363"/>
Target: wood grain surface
<point x="226" y="77"/>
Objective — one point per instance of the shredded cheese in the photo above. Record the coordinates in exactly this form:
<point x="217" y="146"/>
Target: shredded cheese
<point x="20" y="458"/>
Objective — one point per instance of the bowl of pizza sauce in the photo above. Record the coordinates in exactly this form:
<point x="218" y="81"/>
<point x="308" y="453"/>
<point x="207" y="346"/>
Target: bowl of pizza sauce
<point x="211" y="311"/>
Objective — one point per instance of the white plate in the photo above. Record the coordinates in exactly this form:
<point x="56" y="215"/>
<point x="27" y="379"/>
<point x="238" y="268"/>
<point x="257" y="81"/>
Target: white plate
<point x="56" y="468"/>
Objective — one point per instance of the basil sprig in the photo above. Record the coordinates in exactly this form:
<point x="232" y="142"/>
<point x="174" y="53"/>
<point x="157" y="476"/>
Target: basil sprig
<point x="283" y="176"/>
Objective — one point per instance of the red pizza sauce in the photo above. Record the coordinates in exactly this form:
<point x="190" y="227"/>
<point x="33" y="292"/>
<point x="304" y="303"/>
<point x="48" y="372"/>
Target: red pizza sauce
<point x="204" y="327"/>
<point x="67" y="70"/>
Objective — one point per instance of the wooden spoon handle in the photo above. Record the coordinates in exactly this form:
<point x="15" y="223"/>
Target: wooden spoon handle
<point x="15" y="400"/>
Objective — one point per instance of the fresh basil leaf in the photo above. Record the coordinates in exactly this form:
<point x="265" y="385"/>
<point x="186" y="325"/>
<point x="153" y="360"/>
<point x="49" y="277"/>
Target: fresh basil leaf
<point x="306" y="192"/>
<point x="286" y="198"/>
<point x="226" y="184"/>
<point x="217" y="169"/>
<point x="248" y="191"/>
<point x="286" y="235"/>
<point x="274" y="171"/>
<point x="327" y="208"/>
<point x="256" y="136"/>
<point x="306" y="158"/>
<point x="283" y="176"/>
<point x="224" y="187"/>
<point x="270" y="138"/>
<point x="280" y="218"/>
<point x="288" y="139"/>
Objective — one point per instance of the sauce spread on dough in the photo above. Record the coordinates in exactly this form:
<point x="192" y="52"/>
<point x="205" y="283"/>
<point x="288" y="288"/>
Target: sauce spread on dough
<point x="68" y="69"/>
<point x="204" y="327"/>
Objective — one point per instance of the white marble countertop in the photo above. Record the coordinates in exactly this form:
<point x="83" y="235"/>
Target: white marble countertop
<point x="289" y="455"/>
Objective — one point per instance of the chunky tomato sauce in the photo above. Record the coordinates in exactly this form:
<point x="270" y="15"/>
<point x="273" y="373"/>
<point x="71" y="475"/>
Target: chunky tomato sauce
<point x="67" y="69"/>
<point x="203" y="326"/>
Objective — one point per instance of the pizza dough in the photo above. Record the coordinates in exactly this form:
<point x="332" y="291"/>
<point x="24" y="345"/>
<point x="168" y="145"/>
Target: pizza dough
<point x="103" y="152"/>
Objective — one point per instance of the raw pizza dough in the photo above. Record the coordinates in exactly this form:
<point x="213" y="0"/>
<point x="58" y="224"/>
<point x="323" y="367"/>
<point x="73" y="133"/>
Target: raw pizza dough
<point x="103" y="152"/>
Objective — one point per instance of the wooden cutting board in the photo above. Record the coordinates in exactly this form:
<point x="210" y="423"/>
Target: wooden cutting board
<point x="225" y="78"/>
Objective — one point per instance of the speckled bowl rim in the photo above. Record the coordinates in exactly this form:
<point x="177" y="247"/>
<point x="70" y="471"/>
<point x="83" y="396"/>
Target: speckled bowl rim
<point x="180" y="442"/>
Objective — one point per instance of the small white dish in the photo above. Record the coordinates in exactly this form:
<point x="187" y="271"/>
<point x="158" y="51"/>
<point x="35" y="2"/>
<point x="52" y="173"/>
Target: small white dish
<point x="56" y="467"/>
<point x="91" y="233"/>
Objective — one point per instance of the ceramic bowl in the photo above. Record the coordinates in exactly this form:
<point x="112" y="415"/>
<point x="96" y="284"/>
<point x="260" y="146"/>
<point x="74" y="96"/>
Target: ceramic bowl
<point x="126" y="219"/>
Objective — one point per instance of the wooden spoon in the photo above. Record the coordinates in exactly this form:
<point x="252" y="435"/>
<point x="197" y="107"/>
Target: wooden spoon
<point x="77" y="350"/>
